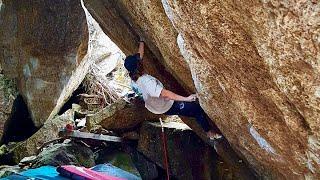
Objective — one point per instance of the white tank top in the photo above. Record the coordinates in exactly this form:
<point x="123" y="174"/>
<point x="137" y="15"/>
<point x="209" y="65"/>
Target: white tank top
<point x="151" y="88"/>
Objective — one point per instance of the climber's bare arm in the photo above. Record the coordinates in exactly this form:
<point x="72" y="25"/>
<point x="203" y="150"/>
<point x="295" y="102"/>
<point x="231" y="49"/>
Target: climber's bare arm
<point x="173" y="96"/>
<point x="141" y="49"/>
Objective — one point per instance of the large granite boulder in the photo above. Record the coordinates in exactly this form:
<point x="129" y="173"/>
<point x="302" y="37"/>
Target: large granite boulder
<point x="261" y="77"/>
<point x="41" y="44"/>
<point x="254" y="64"/>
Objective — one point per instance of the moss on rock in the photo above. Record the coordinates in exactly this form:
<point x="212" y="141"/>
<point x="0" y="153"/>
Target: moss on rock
<point x="8" y="87"/>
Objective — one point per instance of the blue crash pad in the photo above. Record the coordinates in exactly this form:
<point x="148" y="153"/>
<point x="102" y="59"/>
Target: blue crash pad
<point x="50" y="173"/>
<point x="114" y="171"/>
<point x="43" y="173"/>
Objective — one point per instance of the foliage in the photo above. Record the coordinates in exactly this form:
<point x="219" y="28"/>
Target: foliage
<point x="8" y="87"/>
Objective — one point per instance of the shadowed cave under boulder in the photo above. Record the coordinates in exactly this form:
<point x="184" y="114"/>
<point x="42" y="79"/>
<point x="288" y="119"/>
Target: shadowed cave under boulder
<point x="19" y="126"/>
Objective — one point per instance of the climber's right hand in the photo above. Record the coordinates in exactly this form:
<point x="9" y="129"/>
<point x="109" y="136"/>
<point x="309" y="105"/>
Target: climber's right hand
<point x="191" y="98"/>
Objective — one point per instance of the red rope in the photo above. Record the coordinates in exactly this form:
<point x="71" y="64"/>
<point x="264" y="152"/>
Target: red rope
<point x="165" y="153"/>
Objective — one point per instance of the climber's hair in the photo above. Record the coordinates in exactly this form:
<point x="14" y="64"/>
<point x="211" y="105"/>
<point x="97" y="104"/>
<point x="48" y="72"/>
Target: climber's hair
<point x="139" y="72"/>
<point x="133" y="64"/>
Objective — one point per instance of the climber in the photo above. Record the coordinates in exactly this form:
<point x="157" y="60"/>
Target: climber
<point x="159" y="100"/>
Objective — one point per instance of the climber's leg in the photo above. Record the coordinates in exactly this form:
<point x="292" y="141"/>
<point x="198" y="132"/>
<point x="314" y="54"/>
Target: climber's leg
<point x="190" y="109"/>
<point x="193" y="109"/>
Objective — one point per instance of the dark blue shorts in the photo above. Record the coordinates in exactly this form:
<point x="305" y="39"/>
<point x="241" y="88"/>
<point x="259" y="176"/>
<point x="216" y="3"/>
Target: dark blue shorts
<point x="190" y="109"/>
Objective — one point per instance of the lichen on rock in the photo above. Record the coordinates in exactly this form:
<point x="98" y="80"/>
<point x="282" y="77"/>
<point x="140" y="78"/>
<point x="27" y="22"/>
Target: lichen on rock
<point x="8" y="93"/>
<point x="65" y="154"/>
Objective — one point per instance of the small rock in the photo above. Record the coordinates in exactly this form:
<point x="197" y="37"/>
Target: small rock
<point x="3" y="149"/>
<point x="27" y="160"/>
<point x="65" y="154"/>
<point x="66" y="141"/>
<point x="8" y="170"/>
<point x="81" y="122"/>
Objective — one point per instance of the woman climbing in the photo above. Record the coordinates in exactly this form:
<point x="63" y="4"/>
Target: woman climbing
<point x="159" y="100"/>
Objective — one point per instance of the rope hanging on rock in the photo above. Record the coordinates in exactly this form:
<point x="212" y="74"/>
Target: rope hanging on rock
<point x="165" y="152"/>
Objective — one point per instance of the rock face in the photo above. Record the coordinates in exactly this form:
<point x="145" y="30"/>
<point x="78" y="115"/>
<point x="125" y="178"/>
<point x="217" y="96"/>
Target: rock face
<point x="65" y="154"/>
<point x="120" y="116"/>
<point x="146" y="168"/>
<point x="48" y="132"/>
<point x="116" y="21"/>
<point x="255" y="66"/>
<point x="41" y="44"/>
<point x="189" y="157"/>
<point x="261" y="76"/>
